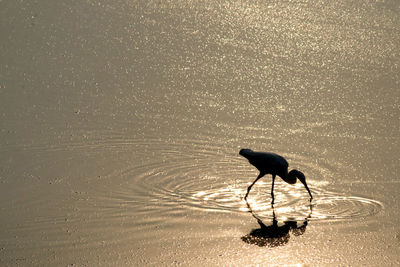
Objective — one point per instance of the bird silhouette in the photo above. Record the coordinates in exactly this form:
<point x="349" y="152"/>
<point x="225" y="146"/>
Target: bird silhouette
<point x="274" y="164"/>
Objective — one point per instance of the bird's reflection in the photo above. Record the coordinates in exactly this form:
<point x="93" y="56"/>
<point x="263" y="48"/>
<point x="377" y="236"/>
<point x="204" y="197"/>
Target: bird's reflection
<point x="274" y="235"/>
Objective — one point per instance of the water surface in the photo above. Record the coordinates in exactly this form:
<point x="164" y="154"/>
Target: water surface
<point x="121" y="125"/>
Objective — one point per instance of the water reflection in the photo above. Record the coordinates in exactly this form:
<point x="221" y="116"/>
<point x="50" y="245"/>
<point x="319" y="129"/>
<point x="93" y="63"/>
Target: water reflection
<point x="291" y="202"/>
<point x="274" y="235"/>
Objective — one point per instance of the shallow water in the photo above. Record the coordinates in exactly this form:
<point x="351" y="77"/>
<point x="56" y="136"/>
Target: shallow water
<point x="121" y="125"/>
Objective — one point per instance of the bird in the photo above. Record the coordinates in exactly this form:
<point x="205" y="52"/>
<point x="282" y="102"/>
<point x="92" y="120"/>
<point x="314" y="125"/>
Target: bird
<point x="274" y="164"/>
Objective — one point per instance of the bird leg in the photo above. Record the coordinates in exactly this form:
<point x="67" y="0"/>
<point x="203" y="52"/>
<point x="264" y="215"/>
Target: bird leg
<point x="272" y="189"/>
<point x="248" y="189"/>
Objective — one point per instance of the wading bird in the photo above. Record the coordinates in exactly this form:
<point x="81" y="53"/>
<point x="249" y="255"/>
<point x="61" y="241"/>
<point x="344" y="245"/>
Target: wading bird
<point x="270" y="163"/>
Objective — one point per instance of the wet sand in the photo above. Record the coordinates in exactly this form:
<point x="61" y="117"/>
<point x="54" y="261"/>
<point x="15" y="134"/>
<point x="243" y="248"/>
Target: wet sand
<point x="121" y="125"/>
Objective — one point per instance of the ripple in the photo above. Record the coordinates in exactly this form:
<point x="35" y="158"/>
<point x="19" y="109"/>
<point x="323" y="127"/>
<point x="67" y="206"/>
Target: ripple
<point x="290" y="203"/>
<point x="210" y="176"/>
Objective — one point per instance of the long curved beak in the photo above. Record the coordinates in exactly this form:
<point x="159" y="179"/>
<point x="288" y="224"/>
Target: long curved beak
<point x="308" y="190"/>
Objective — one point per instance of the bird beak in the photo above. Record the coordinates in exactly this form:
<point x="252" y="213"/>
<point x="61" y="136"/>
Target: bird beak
<point x="305" y="185"/>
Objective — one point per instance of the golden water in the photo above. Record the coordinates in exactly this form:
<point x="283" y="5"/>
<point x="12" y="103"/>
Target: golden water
<point x="121" y="123"/>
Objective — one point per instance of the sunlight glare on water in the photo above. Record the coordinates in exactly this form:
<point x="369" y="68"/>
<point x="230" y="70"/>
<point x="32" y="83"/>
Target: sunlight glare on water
<point x="121" y="123"/>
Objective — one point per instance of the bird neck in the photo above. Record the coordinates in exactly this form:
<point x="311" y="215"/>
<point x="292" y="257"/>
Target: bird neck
<point x="292" y="174"/>
<point x="291" y="177"/>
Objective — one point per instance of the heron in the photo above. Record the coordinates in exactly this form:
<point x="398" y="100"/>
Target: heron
<point x="274" y="164"/>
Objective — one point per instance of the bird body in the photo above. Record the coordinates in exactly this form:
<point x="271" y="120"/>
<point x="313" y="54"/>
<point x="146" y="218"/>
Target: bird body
<point x="268" y="163"/>
<point x="274" y="164"/>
